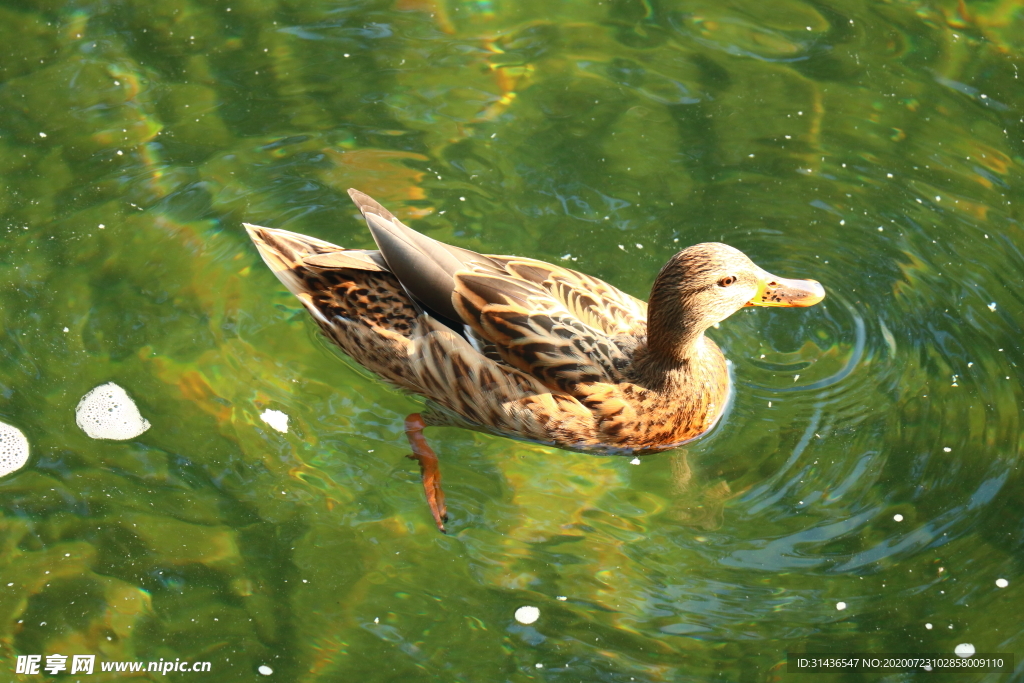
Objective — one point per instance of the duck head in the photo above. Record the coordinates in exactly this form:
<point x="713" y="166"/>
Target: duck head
<point x="705" y="284"/>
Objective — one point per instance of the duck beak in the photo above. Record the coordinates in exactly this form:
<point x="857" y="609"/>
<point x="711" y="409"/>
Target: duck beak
<point x="777" y="291"/>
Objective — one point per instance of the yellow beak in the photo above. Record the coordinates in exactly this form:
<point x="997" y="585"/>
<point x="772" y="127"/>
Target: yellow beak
<point x="777" y="291"/>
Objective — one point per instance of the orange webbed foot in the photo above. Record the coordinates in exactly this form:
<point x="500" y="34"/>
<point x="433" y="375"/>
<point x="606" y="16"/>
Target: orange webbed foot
<point x="430" y="470"/>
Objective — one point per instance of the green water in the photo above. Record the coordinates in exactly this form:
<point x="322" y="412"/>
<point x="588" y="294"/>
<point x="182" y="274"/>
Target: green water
<point x="874" y="146"/>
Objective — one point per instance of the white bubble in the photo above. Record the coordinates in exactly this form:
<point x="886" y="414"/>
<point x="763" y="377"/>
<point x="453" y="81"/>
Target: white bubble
<point x="276" y="419"/>
<point x="964" y="650"/>
<point x="108" y="412"/>
<point x="634" y="461"/>
<point x="265" y="670"/>
<point x="13" y="449"/>
<point x="898" y="517"/>
<point x="840" y="606"/>
<point x="928" y="626"/>
<point x="1002" y="583"/>
<point x="527" y="614"/>
<point x="947" y="449"/>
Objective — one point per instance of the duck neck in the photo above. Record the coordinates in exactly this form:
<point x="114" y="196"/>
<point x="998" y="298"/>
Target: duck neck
<point x="675" y="345"/>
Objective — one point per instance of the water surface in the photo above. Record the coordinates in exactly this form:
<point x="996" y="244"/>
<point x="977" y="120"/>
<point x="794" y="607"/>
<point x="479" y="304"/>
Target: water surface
<point x="872" y="455"/>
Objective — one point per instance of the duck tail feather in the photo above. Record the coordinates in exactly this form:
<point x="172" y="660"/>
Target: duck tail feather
<point x="285" y="253"/>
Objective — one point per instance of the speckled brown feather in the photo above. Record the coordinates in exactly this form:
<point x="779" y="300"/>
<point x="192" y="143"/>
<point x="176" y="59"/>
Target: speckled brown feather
<point x="548" y="355"/>
<point x="366" y="312"/>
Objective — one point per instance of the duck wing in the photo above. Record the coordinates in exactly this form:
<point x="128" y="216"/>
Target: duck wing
<point x="424" y="266"/>
<point x="592" y="301"/>
<point x="554" y="324"/>
<point x="535" y="331"/>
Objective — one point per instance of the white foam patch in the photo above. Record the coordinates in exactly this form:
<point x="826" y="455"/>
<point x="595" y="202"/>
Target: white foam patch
<point x="527" y="614"/>
<point x="276" y="419"/>
<point x="108" y="412"/>
<point x="964" y="650"/>
<point x="13" y="449"/>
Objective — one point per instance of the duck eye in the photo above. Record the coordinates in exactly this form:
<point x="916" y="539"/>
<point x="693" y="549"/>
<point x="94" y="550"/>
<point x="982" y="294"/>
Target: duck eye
<point x="726" y="281"/>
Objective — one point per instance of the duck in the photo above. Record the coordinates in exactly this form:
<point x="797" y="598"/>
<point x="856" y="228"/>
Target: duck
<point x="525" y="349"/>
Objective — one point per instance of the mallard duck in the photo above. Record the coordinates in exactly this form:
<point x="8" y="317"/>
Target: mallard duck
<point x="526" y="349"/>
